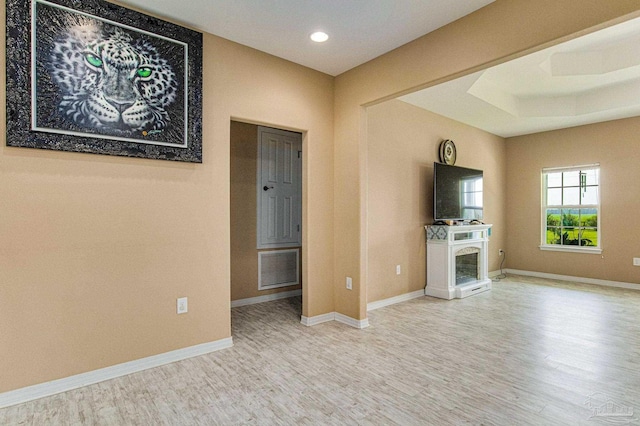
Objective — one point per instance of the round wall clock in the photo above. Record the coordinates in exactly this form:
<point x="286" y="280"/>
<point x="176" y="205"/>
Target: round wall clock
<point x="448" y="152"/>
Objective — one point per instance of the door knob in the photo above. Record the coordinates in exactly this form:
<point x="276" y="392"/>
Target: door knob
<point x="266" y="188"/>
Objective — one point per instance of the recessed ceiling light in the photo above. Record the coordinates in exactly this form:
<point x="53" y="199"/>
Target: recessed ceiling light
<point x="319" y="37"/>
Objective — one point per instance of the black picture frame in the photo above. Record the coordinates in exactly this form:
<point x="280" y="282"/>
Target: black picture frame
<point x="90" y="76"/>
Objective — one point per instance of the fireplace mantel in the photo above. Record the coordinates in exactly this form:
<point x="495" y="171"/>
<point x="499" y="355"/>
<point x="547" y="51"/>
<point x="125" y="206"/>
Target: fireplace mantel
<point x="457" y="260"/>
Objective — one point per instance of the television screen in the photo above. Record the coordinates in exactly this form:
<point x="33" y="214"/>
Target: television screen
<point x="457" y="193"/>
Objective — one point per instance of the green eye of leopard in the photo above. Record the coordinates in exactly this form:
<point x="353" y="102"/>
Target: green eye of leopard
<point x="93" y="60"/>
<point x="144" y="72"/>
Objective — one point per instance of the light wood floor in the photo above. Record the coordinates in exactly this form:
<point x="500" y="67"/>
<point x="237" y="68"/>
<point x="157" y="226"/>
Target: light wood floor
<point x="530" y="352"/>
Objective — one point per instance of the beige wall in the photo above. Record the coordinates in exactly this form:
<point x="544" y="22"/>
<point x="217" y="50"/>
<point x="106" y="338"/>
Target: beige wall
<point x="614" y="145"/>
<point x="94" y="250"/>
<point x="403" y="143"/>
<point x="244" y="255"/>
<point x="500" y="31"/>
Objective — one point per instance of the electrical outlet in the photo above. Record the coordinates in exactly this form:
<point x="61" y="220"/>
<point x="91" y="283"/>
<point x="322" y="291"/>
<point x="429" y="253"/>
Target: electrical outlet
<point x="398" y="270"/>
<point x="500" y="252"/>
<point x="349" y="283"/>
<point x="183" y="306"/>
<point x="636" y="261"/>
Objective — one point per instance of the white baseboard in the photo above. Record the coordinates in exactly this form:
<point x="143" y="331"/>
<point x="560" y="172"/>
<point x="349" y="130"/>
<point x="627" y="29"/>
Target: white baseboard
<point x="334" y="316"/>
<point x="265" y="298"/>
<point x="582" y="280"/>
<point x="352" y="321"/>
<point x="318" y="319"/>
<point x="41" y="390"/>
<point x="393" y="300"/>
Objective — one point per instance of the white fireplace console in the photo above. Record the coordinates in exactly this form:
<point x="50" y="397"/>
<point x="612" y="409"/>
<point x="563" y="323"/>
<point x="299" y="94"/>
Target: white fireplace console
<point x="457" y="260"/>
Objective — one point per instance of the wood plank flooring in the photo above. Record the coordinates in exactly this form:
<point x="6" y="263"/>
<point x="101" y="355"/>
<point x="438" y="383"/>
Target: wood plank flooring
<point x="530" y="352"/>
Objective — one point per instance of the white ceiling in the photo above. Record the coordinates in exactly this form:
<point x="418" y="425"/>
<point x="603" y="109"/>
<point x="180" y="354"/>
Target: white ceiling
<point x="587" y="80"/>
<point x="359" y="30"/>
<point x="591" y="79"/>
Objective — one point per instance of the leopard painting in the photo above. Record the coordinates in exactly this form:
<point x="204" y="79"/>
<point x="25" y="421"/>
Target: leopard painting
<point x="109" y="82"/>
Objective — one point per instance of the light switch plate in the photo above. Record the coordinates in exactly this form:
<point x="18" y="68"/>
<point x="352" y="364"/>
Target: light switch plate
<point x="182" y="305"/>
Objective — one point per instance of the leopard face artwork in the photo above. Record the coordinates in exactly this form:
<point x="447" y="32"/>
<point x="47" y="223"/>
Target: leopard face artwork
<point x="109" y="81"/>
<point x="99" y="78"/>
<point x="95" y="77"/>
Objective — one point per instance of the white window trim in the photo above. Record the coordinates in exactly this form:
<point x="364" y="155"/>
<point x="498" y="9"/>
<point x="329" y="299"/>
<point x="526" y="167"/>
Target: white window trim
<point x="469" y="211"/>
<point x="543" y="216"/>
<point x="570" y="249"/>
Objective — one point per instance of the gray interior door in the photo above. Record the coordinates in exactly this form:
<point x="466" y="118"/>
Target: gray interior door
<point x="279" y="188"/>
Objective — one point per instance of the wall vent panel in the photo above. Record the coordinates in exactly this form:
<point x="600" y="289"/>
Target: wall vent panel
<point x="278" y="268"/>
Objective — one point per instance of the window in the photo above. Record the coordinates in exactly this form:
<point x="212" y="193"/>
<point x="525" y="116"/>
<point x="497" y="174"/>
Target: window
<point x="571" y="209"/>
<point x="471" y="197"/>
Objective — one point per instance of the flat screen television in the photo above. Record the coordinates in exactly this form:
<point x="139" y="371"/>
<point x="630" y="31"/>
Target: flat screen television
<point x="457" y="193"/>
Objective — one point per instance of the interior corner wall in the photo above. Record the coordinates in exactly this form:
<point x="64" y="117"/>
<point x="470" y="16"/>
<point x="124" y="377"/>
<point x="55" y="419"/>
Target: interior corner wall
<point x="244" y="254"/>
<point x="613" y="144"/>
<point x="403" y="143"/>
<point x="95" y="249"/>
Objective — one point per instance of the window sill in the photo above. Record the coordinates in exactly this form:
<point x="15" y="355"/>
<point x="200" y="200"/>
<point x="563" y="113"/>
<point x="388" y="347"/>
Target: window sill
<point x="569" y="249"/>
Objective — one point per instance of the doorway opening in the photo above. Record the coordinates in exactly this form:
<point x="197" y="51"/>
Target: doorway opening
<point x="266" y="225"/>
